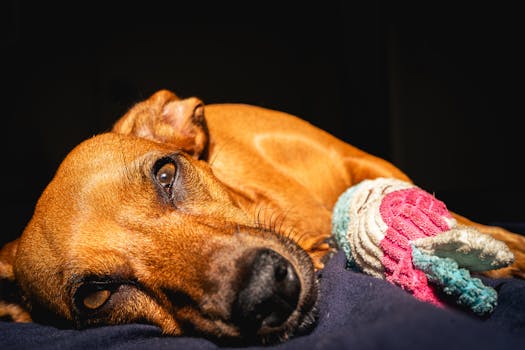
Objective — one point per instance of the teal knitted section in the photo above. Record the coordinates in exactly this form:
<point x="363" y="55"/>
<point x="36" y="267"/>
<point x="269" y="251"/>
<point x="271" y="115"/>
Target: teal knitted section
<point x="340" y="222"/>
<point x="469" y="291"/>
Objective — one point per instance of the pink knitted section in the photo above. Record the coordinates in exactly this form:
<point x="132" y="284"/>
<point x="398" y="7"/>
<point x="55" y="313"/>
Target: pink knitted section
<point x="410" y="214"/>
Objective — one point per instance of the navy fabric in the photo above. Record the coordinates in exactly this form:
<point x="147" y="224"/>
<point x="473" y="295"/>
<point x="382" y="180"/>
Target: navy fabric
<point x="356" y="312"/>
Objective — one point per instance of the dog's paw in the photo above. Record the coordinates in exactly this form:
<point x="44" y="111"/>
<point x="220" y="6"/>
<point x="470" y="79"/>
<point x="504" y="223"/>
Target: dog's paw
<point x="13" y="313"/>
<point x="322" y="251"/>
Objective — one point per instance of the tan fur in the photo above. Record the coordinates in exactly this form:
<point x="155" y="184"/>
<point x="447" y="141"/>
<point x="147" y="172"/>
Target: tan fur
<point x="246" y="175"/>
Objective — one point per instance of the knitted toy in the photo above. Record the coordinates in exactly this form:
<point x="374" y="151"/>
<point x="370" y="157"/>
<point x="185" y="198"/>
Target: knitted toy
<point x="394" y="230"/>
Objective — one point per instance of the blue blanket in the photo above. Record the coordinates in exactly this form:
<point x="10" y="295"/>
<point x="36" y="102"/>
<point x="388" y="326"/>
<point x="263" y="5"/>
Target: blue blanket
<point x="356" y="312"/>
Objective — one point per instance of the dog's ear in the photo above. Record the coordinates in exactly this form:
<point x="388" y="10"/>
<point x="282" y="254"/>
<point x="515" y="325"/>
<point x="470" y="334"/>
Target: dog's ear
<point x="11" y="303"/>
<point x="166" y="118"/>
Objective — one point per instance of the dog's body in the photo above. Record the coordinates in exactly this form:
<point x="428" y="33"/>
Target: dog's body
<point x="209" y="226"/>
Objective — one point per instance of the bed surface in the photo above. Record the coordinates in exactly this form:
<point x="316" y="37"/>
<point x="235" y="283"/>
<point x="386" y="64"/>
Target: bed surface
<point x="356" y="312"/>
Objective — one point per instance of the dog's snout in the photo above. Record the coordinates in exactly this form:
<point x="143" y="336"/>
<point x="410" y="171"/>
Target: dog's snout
<point x="269" y="293"/>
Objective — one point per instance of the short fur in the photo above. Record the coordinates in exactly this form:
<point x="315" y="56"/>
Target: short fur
<point x="243" y="220"/>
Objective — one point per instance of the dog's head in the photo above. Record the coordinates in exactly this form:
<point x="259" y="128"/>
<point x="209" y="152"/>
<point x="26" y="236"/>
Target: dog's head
<point x="135" y="227"/>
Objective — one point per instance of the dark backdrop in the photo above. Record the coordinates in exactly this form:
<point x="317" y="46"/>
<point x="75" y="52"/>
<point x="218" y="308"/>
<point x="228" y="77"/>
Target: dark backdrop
<point x="434" y="88"/>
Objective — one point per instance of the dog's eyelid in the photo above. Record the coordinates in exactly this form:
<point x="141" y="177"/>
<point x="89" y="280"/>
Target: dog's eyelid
<point x="93" y="293"/>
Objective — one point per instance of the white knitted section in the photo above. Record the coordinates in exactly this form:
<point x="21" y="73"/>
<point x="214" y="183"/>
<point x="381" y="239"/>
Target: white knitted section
<point x="366" y="228"/>
<point x="470" y="248"/>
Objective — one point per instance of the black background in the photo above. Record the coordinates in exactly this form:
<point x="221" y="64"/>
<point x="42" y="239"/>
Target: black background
<point x="435" y="88"/>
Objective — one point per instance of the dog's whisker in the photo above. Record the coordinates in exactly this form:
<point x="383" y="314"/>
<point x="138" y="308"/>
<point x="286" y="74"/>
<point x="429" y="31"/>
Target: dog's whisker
<point x="271" y="222"/>
<point x="264" y="220"/>
<point x="283" y="217"/>
<point x="257" y="217"/>
<point x="299" y="239"/>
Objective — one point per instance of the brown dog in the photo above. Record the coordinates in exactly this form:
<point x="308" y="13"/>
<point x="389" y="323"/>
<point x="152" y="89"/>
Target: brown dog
<point x="206" y="226"/>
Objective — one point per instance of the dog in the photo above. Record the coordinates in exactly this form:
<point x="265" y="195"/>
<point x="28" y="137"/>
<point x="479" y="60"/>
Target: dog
<point x="203" y="220"/>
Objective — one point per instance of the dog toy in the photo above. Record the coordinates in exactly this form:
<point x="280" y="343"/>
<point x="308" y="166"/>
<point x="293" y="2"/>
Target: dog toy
<point x="394" y="230"/>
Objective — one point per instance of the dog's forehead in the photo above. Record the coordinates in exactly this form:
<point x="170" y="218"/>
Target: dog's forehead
<point x="110" y="149"/>
<point x="101" y="161"/>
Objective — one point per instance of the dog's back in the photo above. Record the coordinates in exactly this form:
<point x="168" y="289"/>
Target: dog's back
<point x="286" y="168"/>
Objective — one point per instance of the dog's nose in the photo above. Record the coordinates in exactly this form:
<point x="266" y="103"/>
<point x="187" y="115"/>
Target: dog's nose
<point x="268" y="294"/>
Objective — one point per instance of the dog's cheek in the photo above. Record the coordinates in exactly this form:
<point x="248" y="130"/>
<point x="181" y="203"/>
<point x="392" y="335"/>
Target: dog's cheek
<point x="131" y="305"/>
<point x="146" y="310"/>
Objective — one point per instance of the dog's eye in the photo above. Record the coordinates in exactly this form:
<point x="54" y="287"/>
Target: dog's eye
<point x="96" y="299"/>
<point x="165" y="175"/>
<point x="94" y="295"/>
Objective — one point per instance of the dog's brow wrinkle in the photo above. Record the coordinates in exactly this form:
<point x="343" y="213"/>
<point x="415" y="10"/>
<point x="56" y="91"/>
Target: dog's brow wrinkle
<point x="218" y="151"/>
<point x="127" y="173"/>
